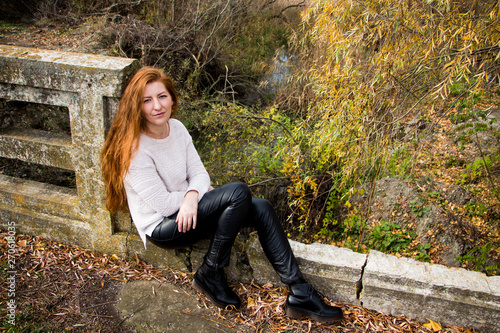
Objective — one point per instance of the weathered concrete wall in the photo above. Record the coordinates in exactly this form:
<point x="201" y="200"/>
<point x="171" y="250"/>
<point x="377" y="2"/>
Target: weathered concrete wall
<point x="397" y="286"/>
<point x="451" y="296"/>
<point x="90" y="86"/>
<point x="333" y="271"/>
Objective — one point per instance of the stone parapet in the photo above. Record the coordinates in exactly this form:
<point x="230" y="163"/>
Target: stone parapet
<point x="392" y="285"/>
<point x="334" y="271"/>
<point x="451" y="296"/>
<point x="89" y="87"/>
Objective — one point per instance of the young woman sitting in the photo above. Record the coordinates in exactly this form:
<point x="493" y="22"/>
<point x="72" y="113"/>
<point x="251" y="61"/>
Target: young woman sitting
<point x="152" y="168"/>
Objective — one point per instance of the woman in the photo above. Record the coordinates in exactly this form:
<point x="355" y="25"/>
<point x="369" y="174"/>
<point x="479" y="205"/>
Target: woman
<point x="150" y="165"/>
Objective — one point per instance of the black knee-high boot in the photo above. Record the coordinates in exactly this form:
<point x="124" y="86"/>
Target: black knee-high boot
<point x="303" y="300"/>
<point x="234" y="201"/>
<point x="210" y="278"/>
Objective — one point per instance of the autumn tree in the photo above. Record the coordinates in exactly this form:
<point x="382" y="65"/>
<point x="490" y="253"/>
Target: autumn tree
<point x="367" y="67"/>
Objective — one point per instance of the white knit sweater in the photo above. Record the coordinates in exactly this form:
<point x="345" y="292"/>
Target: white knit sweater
<point x="161" y="172"/>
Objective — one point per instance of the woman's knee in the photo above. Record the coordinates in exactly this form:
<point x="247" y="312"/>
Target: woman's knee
<point x="262" y="205"/>
<point x="264" y="211"/>
<point x="239" y="190"/>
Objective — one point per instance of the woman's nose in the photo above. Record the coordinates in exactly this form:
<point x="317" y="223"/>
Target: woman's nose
<point x="156" y="104"/>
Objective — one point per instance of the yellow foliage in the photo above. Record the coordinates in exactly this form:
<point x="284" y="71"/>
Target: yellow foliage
<point x="373" y="65"/>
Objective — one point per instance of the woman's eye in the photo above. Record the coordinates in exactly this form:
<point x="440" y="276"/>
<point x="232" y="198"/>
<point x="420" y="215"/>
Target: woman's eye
<point x="146" y="100"/>
<point x="163" y="96"/>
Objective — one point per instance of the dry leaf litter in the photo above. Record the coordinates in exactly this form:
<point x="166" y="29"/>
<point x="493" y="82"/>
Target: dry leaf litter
<point x="67" y="288"/>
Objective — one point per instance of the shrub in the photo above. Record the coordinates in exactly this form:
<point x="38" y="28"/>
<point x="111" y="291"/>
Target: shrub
<point x="369" y="66"/>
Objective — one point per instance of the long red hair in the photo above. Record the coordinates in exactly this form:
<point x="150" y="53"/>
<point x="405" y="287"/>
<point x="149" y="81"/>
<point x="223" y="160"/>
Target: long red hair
<point x="123" y="136"/>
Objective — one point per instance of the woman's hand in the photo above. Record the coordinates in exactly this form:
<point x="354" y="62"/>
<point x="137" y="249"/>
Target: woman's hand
<point x="186" y="217"/>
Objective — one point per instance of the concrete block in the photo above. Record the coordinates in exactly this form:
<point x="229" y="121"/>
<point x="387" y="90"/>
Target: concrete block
<point x="39" y="198"/>
<point x="187" y="259"/>
<point x="34" y="145"/>
<point x="335" y="272"/>
<point x="52" y="227"/>
<point x="450" y="296"/>
<point x="64" y="71"/>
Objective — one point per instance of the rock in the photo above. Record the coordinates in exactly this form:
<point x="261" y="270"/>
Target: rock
<point x="151" y="306"/>
<point x="494" y="116"/>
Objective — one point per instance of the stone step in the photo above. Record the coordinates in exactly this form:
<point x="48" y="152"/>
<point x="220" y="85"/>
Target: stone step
<point x="39" y="197"/>
<point x="36" y="146"/>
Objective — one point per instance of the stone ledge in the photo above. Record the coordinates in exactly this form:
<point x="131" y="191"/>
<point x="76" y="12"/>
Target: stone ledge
<point x="51" y="69"/>
<point x="451" y="296"/>
<point x="64" y="230"/>
<point x="334" y="271"/>
<point x="23" y="195"/>
<point x="396" y="286"/>
<point x="184" y="259"/>
<point x="36" y="146"/>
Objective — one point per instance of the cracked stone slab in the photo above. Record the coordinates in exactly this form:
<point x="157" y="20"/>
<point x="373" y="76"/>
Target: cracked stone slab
<point x="151" y="306"/>
<point x="335" y="272"/>
<point x="451" y="296"/>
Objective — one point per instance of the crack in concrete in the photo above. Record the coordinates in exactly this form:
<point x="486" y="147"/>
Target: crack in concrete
<point x="359" y="284"/>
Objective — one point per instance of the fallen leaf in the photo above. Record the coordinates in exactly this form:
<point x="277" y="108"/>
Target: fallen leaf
<point x="433" y="325"/>
<point x="250" y="302"/>
<point x="22" y="243"/>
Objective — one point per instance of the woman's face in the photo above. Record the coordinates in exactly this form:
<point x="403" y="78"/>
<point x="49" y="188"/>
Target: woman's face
<point x="156" y="106"/>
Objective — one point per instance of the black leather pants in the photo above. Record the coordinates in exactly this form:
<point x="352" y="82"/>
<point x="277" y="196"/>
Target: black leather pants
<point x="221" y="213"/>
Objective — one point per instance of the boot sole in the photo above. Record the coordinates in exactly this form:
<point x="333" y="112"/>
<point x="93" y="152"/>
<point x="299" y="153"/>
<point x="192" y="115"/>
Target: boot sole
<point x="200" y="288"/>
<point x="301" y="313"/>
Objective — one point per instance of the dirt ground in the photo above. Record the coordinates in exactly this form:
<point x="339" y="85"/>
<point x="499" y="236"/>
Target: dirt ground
<point x="54" y="295"/>
<point x="61" y="288"/>
<point x="55" y="36"/>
